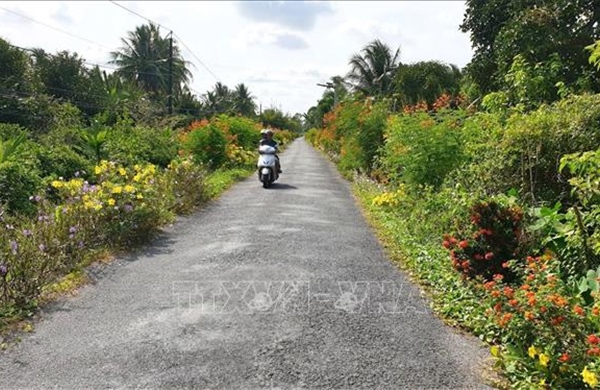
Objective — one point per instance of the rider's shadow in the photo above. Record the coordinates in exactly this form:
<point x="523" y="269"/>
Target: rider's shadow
<point x="283" y="186"/>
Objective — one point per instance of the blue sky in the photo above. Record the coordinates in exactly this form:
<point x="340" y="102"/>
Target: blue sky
<point x="279" y="49"/>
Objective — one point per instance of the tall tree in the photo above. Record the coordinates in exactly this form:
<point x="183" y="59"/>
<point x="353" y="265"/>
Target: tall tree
<point x="373" y="69"/>
<point x="64" y="76"/>
<point x="243" y="101"/>
<point x="535" y="29"/>
<point x="15" y="82"/>
<point x="144" y="57"/>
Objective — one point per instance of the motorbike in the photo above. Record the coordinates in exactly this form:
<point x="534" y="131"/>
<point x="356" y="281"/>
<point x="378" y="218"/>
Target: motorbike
<point x="267" y="165"/>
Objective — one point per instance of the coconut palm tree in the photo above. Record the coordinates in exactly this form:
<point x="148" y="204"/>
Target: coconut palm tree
<point x="144" y="57"/>
<point x="373" y="69"/>
<point x="243" y="101"/>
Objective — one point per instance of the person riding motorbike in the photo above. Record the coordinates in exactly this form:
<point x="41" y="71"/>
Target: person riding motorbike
<point x="267" y="139"/>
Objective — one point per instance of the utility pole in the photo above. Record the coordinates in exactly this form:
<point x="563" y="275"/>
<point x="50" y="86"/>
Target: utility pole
<point x="330" y="85"/>
<point x="170" y="97"/>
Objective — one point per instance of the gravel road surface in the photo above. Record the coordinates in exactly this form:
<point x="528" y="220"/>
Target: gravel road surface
<point x="264" y="288"/>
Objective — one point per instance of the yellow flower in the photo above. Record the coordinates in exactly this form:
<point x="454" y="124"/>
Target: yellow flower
<point x="129" y="188"/>
<point x="122" y="172"/>
<point x="117" y="190"/>
<point x="97" y="206"/>
<point x="542" y="382"/>
<point x="589" y="377"/>
<point x="97" y="170"/>
<point x="111" y="202"/>
<point x="88" y="204"/>
<point x="139" y="196"/>
<point x="137" y="177"/>
<point x="495" y="351"/>
<point x="532" y="352"/>
<point x="57" y="184"/>
<point x="544" y="359"/>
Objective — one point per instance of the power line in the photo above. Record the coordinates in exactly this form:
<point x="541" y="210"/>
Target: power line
<point x="141" y="16"/>
<point x="54" y="28"/>
<point x="172" y="32"/>
<point x="196" y="57"/>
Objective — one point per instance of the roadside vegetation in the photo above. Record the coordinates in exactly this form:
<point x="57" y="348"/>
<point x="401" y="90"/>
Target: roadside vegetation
<point x="484" y="183"/>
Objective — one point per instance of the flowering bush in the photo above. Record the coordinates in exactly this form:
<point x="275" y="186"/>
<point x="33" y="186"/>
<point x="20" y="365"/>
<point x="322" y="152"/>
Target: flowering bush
<point x="186" y="182"/>
<point x="494" y="240"/>
<point x="389" y="199"/>
<point x="547" y="335"/>
<point x="37" y="250"/>
<point x="125" y="203"/>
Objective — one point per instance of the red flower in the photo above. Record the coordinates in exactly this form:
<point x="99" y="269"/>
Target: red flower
<point x="489" y="256"/>
<point x="463" y="244"/>
<point x="446" y="244"/>
<point x="593" y="339"/>
<point x="594" y="351"/>
<point x="564" y="357"/>
<point x="557" y="320"/>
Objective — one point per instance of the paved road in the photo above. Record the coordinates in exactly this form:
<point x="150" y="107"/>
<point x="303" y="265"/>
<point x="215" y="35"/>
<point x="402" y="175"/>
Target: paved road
<point x="277" y="288"/>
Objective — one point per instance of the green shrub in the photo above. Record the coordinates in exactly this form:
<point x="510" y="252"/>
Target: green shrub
<point x="132" y="145"/>
<point x="526" y="153"/>
<point x="17" y="184"/>
<point x="62" y="161"/>
<point x="207" y="145"/>
<point x="421" y="150"/>
<point x="241" y="131"/>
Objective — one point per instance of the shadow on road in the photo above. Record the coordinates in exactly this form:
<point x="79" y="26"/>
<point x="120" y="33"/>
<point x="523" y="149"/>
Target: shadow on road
<point x="282" y="186"/>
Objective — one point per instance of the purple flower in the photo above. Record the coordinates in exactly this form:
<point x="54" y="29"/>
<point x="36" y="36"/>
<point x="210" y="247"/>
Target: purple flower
<point x="128" y="208"/>
<point x="14" y="246"/>
<point x="72" y="230"/>
<point x="80" y="244"/>
<point x="42" y="247"/>
<point x="27" y="233"/>
<point x="3" y="270"/>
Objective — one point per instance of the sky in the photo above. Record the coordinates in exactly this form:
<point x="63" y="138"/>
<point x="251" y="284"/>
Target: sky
<point x="280" y="50"/>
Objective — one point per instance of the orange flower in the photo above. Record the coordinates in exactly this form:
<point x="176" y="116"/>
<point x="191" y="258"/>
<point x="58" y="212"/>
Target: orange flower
<point x="525" y="287"/>
<point x="505" y="319"/>
<point x="529" y="316"/>
<point x="579" y="310"/>
<point x="513" y="302"/>
<point x="508" y="292"/>
<point x="564" y="358"/>
<point x="495" y="294"/>
<point x="595" y="311"/>
<point x="530" y="277"/>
